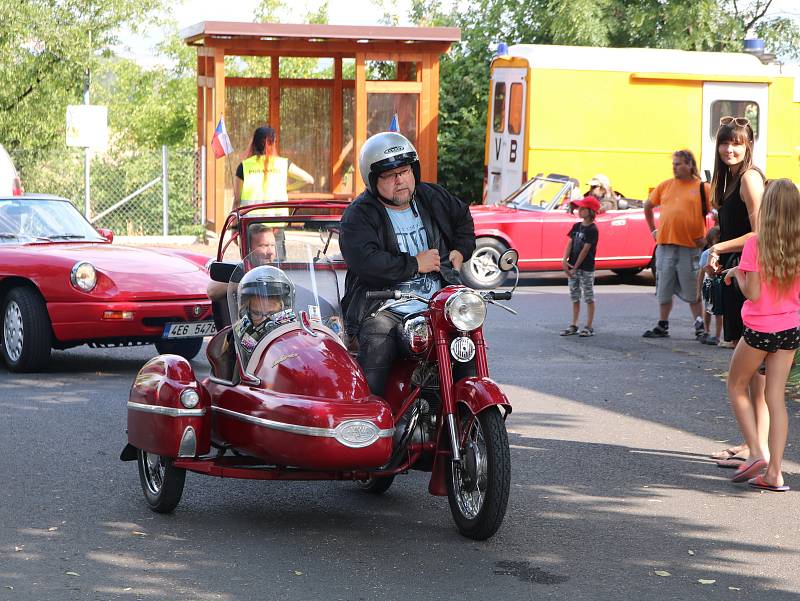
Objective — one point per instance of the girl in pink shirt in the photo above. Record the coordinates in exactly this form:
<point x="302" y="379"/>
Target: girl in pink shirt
<point x="769" y="277"/>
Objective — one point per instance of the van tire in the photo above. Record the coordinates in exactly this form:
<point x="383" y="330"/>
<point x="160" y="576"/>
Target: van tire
<point x="482" y="271"/>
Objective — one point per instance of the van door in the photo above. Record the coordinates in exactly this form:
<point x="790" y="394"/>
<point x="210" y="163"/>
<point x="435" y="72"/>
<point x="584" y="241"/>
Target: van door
<point x="748" y="100"/>
<point x="507" y="134"/>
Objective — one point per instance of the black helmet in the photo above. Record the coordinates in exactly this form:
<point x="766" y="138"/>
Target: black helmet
<point x="384" y="151"/>
<point x="265" y="281"/>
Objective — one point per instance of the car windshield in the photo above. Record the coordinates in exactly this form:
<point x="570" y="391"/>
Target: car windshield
<point x="539" y="194"/>
<point x="291" y="284"/>
<point x="25" y="220"/>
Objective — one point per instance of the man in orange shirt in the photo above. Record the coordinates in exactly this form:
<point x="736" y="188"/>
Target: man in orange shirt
<point x="679" y="239"/>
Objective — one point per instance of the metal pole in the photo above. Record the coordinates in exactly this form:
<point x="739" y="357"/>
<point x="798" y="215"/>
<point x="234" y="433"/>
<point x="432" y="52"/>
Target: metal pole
<point x="164" y="191"/>
<point x="203" y="185"/>
<point x="87" y="157"/>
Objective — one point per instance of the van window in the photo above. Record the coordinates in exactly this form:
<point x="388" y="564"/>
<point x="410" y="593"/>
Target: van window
<point x="499" y="107"/>
<point x="734" y="108"/>
<point x="515" y="109"/>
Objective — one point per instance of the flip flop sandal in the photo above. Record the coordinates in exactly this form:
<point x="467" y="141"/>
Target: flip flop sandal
<point x="759" y="483"/>
<point x="733" y="462"/>
<point x="570" y="331"/>
<point x="728" y="453"/>
<point x="745" y="472"/>
<point x="586" y="332"/>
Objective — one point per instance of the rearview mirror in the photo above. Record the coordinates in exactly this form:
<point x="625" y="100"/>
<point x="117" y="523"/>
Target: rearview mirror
<point x="508" y="260"/>
<point x="106" y="233"/>
<point x="220" y="271"/>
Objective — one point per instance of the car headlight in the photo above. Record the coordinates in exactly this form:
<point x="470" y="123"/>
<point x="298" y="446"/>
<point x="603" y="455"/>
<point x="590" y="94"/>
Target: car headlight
<point x="466" y="310"/>
<point x="190" y="398"/>
<point x="83" y="276"/>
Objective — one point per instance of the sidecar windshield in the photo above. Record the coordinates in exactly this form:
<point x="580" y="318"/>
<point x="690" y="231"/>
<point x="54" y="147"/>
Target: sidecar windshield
<point x="269" y="293"/>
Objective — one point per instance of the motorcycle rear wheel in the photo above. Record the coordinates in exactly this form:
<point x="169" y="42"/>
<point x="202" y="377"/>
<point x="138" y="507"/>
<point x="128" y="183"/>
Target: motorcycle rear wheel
<point x="162" y="483"/>
<point x="376" y="486"/>
<point x="478" y="489"/>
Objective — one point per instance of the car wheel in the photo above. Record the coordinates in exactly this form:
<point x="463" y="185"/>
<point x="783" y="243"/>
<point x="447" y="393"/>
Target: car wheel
<point x="187" y="348"/>
<point x="482" y="271"/>
<point x="26" y="331"/>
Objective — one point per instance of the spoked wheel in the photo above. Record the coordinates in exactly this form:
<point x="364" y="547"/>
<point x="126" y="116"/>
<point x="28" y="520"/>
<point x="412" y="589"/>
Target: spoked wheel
<point x="478" y="488"/>
<point x="376" y="486"/>
<point x="482" y="270"/>
<point x="161" y="482"/>
<point x="187" y="348"/>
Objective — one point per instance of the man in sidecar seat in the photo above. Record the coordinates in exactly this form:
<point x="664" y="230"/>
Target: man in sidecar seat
<point x="265" y="301"/>
<point x="399" y="234"/>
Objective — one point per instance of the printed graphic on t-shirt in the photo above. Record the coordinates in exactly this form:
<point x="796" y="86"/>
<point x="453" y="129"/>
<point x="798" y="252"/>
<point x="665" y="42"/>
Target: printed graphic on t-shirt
<point x="412" y="239"/>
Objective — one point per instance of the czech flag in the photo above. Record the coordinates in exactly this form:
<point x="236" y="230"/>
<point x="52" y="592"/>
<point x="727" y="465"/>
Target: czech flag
<point x="394" y="126"/>
<point x="221" y="143"/>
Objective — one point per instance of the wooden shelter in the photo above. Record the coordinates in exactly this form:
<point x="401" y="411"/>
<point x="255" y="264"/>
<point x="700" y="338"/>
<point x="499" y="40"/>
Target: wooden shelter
<point x="324" y="88"/>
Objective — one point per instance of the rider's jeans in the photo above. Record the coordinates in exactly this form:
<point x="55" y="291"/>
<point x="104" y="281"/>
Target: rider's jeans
<point x="378" y="343"/>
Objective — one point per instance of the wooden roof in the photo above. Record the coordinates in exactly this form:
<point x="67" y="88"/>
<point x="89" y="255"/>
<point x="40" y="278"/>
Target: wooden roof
<point x="356" y="34"/>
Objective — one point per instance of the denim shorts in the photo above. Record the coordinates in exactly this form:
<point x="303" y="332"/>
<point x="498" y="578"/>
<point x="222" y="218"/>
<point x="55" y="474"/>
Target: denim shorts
<point x="785" y="340"/>
<point x="676" y="273"/>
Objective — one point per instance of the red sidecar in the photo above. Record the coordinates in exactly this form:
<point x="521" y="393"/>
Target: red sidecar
<point x="286" y="400"/>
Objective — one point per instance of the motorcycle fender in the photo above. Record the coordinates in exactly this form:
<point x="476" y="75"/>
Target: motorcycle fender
<point x="478" y="394"/>
<point x="157" y="420"/>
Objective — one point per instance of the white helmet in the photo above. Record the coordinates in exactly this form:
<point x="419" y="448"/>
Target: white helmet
<point x="384" y="151"/>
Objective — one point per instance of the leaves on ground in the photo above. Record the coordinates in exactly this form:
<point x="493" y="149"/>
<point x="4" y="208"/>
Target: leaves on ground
<point x="705" y="581"/>
<point x="662" y="573"/>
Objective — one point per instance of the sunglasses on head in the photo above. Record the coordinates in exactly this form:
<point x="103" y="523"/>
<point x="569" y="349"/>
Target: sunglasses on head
<point x="740" y="121"/>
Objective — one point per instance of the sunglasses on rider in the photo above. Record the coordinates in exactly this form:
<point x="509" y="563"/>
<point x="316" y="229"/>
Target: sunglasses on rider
<point x="255" y="314"/>
<point x="740" y="121"/>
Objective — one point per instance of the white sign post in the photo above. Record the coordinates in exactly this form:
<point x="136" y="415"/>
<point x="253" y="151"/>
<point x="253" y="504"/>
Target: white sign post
<point x="87" y="127"/>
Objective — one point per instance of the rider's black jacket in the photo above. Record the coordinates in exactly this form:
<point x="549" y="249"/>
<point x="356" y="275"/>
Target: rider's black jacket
<point x="374" y="260"/>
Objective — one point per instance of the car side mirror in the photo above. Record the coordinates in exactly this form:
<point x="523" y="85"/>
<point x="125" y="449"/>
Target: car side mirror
<point x="106" y="233"/>
<point x="221" y="271"/>
<point x="508" y="260"/>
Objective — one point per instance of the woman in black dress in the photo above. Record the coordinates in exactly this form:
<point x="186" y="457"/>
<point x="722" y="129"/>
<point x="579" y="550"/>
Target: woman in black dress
<point x="736" y="191"/>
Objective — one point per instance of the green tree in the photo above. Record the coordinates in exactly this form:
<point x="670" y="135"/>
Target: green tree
<point x="46" y="48"/>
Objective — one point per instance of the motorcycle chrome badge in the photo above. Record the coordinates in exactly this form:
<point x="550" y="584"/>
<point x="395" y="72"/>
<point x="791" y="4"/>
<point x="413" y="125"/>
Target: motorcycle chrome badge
<point x="462" y="349"/>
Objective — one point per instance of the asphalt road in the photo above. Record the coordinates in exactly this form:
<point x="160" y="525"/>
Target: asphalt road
<point x="610" y="487"/>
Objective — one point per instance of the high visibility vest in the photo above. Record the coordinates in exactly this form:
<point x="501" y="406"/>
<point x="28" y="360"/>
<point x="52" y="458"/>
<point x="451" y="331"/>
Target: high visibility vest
<point x="260" y="187"/>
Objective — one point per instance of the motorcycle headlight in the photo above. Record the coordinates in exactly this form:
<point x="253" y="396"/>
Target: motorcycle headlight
<point x="465" y="310"/>
<point x="83" y="276"/>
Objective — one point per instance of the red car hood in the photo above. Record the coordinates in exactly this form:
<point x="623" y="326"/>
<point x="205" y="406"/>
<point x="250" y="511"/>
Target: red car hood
<point x="136" y="273"/>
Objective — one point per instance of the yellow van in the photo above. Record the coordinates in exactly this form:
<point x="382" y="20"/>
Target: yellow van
<point x="579" y="111"/>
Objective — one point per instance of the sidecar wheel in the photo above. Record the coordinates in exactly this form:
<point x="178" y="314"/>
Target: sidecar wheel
<point x="187" y="348"/>
<point x="376" y="486"/>
<point x="161" y="482"/>
<point x="478" y="489"/>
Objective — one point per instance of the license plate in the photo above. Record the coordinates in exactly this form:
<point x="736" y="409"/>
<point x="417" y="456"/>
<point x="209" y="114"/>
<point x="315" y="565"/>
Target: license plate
<point x="193" y="329"/>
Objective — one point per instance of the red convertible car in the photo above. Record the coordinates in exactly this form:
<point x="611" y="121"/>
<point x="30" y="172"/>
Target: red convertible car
<point x="62" y="284"/>
<point x="536" y="219"/>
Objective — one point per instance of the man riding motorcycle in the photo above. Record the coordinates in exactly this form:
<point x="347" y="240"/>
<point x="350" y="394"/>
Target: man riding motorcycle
<point x="399" y="234"/>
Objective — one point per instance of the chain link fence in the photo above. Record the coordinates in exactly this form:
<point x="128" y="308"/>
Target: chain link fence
<point x="126" y="190"/>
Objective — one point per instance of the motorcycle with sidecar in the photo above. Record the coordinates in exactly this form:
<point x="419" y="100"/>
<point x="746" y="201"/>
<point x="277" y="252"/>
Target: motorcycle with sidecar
<point x="292" y="403"/>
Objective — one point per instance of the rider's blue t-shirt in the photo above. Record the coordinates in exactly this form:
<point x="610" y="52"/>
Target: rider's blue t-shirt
<point x="412" y="239"/>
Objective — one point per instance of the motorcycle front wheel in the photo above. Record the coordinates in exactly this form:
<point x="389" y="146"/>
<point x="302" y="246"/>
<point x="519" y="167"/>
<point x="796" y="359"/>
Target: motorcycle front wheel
<point x="478" y="487"/>
<point x="161" y="482"/>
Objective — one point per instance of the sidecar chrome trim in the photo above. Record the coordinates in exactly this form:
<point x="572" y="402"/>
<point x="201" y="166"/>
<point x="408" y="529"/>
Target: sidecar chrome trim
<point x="354" y="433"/>
<point x="168" y="411"/>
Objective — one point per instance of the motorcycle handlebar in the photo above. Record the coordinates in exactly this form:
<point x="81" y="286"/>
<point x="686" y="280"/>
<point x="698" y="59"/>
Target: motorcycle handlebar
<point x="382" y="294"/>
<point x="499" y="295"/>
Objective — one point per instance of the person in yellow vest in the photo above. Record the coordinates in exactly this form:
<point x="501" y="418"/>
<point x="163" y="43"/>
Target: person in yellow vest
<point x="264" y="176"/>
